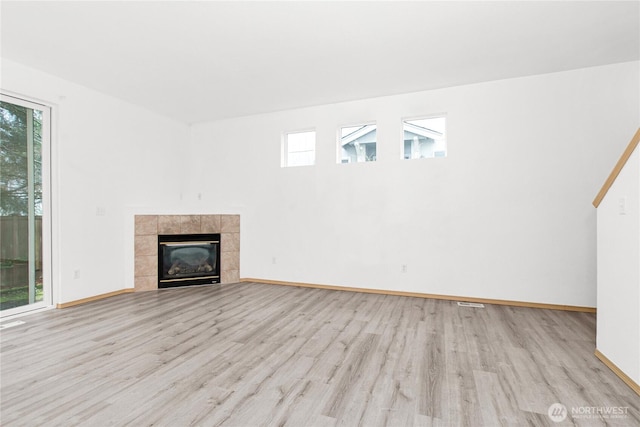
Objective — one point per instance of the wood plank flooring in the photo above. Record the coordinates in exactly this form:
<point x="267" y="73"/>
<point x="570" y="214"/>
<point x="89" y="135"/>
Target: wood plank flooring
<point x="265" y="355"/>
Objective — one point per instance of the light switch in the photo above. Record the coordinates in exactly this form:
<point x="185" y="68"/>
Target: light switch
<point x="622" y="206"/>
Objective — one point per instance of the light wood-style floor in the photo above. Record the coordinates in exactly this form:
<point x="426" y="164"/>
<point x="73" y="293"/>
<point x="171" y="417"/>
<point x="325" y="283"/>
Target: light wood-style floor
<point x="266" y="355"/>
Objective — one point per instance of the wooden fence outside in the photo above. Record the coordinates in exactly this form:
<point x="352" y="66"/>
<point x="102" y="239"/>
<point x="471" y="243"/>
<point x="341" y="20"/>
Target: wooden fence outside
<point x="14" y="250"/>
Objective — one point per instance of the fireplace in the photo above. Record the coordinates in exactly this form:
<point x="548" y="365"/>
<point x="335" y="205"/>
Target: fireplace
<point x="188" y="259"/>
<point x="147" y="228"/>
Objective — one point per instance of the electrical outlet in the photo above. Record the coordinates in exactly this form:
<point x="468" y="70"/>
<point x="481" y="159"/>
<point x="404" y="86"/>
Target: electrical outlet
<point x="76" y="274"/>
<point x="404" y="268"/>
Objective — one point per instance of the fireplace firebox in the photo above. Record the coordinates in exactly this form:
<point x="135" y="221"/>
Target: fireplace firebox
<point x="188" y="259"/>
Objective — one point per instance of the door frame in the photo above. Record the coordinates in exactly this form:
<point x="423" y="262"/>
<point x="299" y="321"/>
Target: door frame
<point x="47" y="241"/>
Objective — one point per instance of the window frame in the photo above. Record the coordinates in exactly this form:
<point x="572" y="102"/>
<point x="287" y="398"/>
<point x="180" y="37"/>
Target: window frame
<point x="284" y="147"/>
<point x="339" y="145"/>
<point x="424" y="117"/>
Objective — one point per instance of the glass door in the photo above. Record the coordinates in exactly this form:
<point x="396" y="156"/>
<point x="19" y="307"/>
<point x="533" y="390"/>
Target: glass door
<point x="24" y="143"/>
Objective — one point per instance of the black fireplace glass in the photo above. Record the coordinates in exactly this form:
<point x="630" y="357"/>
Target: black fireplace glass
<point x="188" y="259"/>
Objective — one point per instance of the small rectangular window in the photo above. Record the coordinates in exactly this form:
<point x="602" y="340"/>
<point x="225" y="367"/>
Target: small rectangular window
<point x="424" y="137"/>
<point x="299" y="148"/>
<point x="357" y="144"/>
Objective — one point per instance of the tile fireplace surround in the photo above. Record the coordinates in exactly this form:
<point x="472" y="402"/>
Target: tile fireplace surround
<point x="148" y="227"/>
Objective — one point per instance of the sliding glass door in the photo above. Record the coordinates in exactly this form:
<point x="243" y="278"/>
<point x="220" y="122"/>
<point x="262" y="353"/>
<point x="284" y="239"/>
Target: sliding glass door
<point x="24" y="147"/>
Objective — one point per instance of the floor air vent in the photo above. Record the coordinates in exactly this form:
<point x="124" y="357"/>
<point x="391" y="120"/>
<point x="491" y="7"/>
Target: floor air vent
<point x="11" y="324"/>
<point x="470" y="304"/>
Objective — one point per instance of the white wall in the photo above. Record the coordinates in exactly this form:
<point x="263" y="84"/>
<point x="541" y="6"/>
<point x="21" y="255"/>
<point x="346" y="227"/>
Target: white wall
<point x="507" y="215"/>
<point x="618" y="335"/>
<point x="107" y="154"/>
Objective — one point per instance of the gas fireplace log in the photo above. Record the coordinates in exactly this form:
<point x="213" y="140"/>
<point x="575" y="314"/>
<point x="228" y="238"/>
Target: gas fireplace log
<point x="175" y="268"/>
<point x="205" y="267"/>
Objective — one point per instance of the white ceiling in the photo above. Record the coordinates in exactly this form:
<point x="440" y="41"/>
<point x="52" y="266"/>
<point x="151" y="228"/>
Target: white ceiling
<point x="197" y="61"/>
